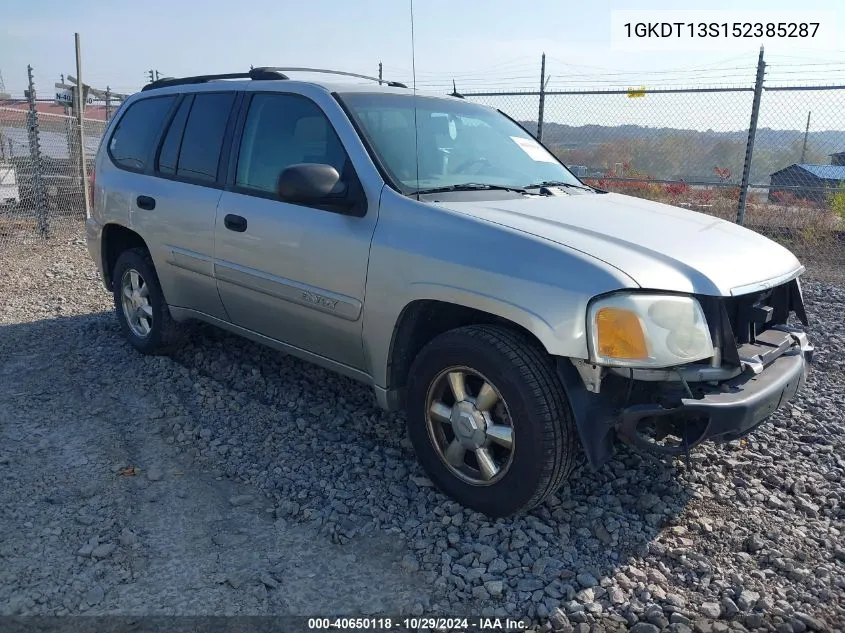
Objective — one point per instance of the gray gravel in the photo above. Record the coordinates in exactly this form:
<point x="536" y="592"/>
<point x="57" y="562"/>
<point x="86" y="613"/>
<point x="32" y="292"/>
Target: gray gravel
<point x="229" y="478"/>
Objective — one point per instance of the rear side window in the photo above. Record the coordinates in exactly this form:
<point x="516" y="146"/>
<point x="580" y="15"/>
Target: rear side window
<point x="202" y="139"/>
<point x="132" y="141"/>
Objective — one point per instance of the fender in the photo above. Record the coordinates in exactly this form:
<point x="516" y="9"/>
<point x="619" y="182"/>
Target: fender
<point x="557" y="339"/>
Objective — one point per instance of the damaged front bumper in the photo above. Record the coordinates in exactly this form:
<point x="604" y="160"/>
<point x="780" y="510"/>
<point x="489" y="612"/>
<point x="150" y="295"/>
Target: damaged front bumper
<point x="772" y="370"/>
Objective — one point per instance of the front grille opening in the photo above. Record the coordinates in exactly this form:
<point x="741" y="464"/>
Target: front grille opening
<point x="752" y="314"/>
<point x="736" y="321"/>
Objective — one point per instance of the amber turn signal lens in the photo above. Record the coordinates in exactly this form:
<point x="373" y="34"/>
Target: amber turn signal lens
<point x="620" y="335"/>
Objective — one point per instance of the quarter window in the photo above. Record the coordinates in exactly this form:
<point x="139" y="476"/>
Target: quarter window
<point x="132" y="141"/>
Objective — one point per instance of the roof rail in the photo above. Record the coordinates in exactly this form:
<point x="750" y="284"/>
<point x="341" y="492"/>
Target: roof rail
<point x="256" y="74"/>
<point x="392" y="84"/>
<point x="264" y="73"/>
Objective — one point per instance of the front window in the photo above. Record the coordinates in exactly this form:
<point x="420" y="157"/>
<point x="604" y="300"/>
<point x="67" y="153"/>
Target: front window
<point x="457" y="143"/>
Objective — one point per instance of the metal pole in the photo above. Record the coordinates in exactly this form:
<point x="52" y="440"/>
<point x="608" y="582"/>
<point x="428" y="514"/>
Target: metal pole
<point x="379" y="73"/>
<point x="752" y="131"/>
<point x="39" y="194"/>
<point x="806" y="133"/>
<point x="80" y="105"/>
<point x="542" y="98"/>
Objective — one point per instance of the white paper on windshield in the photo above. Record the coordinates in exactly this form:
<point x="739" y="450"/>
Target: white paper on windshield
<point x="533" y="149"/>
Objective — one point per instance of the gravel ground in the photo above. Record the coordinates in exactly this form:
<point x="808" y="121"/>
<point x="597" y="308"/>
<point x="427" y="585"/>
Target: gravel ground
<point x="231" y="479"/>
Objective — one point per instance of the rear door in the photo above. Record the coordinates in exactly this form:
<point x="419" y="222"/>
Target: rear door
<point x="292" y="272"/>
<point x="175" y="209"/>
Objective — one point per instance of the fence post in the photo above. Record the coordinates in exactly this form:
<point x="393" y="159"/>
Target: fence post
<point x="542" y="98"/>
<point x="80" y="118"/>
<point x="40" y="194"/>
<point x="752" y="131"/>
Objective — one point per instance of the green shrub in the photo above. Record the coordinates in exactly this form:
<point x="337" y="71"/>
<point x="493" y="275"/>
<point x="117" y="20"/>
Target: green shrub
<point x="836" y="200"/>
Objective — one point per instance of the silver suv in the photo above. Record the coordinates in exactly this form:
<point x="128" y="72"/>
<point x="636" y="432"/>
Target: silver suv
<point x="434" y="250"/>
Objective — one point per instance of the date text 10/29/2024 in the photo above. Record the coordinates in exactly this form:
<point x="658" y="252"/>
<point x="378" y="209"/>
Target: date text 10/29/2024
<point x="417" y="623"/>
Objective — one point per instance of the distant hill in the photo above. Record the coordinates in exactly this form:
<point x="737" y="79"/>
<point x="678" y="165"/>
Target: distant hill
<point x="674" y="153"/>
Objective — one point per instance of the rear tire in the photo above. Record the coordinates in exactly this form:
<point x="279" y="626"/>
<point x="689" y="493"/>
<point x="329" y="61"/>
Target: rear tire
<point x="526" y="443"/>
<point x="140" y="305"/>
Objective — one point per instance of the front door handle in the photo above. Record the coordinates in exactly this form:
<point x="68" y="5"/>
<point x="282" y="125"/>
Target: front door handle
<point x="235" y="222"/>
<point x="146" y="202"/>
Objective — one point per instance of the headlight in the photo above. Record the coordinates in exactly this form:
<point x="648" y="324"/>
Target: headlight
<point x="640" y="330"/>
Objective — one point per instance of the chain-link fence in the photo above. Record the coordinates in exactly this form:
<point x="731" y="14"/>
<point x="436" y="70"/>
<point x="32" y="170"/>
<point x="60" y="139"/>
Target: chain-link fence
<point x="41" y="188"/>
<point x="771" y="158"/>
<point x="797" y="190"/>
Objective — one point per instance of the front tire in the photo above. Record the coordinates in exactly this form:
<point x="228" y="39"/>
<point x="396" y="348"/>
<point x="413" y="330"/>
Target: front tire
<point x="489" y="419"/>
<point x="139" y="302"/>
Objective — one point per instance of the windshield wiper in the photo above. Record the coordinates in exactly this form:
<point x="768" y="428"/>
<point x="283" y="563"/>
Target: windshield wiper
<point x="557" y="183"/>
<point x="470" y="186"/>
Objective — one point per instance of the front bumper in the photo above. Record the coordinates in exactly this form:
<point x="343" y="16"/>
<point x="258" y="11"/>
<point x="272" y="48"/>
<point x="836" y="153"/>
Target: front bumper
<point x="751" y="399"/>
<point x="735" y="407"/>
<point x="774" y="370"/>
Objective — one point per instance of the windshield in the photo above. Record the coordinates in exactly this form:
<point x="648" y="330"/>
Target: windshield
<point x="459" y="143"/>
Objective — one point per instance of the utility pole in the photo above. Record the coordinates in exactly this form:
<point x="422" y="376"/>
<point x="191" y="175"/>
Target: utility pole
<point x="806" y="133"/>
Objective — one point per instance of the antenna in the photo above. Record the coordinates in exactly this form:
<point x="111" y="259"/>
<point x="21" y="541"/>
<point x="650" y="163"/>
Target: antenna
<point x="414" y="77"/>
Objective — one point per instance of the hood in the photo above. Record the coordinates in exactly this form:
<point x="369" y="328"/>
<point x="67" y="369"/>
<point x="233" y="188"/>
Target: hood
<point x="659" y="246"/>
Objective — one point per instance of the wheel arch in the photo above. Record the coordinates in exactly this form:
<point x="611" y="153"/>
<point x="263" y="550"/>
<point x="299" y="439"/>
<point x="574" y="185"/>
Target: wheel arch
<point x="421" y="320"/>
<point x="115" y="239"/>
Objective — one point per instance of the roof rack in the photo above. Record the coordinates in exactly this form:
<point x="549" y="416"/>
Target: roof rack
<point x="264" y="73"/>
<point x="392" y="84"/>
<point x="256" y="73"/>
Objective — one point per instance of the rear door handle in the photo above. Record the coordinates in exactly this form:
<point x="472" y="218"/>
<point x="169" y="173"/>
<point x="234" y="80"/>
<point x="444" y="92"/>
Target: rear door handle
<point x="235" y="223"/>
<point x="146" y="202"/>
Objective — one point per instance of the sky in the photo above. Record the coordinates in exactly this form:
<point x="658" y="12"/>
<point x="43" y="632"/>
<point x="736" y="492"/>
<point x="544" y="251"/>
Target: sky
<point x="482" y="44"/>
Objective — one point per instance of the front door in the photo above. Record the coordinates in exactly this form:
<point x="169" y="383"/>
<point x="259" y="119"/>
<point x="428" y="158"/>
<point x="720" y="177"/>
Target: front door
<point x="294" y="273"/>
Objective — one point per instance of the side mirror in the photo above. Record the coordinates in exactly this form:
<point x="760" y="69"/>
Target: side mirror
<point x="311" y="183"/>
